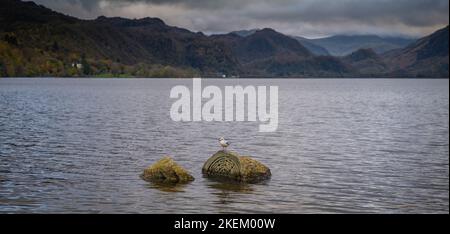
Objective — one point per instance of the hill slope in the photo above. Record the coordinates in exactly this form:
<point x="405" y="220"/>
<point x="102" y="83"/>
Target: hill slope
<point x="39" y="42"/>
<point x="270" y="53"/>
<point x="343" y="45"/>
<point x="314" y="48"/>
<point x="427" y="57"/>
<point x="366" y="62"/>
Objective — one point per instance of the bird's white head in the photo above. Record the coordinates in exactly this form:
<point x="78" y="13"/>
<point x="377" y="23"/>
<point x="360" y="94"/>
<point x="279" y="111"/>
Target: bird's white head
<point x="221" y="139"/>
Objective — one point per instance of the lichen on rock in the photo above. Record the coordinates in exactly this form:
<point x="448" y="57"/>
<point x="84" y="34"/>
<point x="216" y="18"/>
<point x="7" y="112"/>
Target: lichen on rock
<point x="166" y="170"/>
<point x="227" y="164"/>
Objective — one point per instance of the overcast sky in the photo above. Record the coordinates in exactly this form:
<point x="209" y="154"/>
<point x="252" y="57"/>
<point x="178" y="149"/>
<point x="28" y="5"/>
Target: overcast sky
<point x="309" y="18"/>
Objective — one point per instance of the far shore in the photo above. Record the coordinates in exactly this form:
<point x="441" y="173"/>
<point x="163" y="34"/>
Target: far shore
<point x="230" y="78"/>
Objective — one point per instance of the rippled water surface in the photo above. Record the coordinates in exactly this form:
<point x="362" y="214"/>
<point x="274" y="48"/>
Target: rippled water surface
<point x="79" y="145"/>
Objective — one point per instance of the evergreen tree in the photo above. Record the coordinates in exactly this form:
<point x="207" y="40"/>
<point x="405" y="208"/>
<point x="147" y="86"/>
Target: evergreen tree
<point x="86" y="66"/>
<point x="55" y="46"/>
<point x="3" y="72"/>
<point x="11" y="39"/>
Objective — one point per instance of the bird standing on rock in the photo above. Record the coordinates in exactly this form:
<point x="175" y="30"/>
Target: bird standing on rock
<point x="223" y="143"/>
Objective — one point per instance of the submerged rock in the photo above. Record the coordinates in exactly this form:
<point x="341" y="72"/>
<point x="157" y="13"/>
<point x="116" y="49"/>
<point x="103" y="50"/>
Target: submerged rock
<point x="226" y="164"/>
<point x="166" y="170"/>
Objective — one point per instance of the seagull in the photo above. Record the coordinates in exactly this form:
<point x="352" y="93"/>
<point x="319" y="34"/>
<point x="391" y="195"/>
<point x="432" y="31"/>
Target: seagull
<point x="223" y="143"/>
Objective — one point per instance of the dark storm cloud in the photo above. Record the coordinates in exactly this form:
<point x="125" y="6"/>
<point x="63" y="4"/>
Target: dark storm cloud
<point x="300" y="17"/>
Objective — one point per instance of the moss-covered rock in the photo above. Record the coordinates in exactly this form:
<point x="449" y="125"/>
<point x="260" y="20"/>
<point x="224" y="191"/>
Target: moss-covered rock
<point x="252" y="170"/>
<point x="166" y="170"/>
<point x="227" y="164"/>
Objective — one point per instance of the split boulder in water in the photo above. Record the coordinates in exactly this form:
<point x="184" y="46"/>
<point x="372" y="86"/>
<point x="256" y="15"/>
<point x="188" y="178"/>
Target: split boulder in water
<point x="166" y="170"/>
<point x="230" y="165"/>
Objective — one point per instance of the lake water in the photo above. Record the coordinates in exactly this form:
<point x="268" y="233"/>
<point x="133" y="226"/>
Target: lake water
<point x="342" y="146"/>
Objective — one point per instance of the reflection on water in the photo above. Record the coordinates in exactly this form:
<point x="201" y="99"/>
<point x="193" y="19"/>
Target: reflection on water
<point x="225" y="191"/>
<point x="342" y="146"/>
<point x="227" y="187"/>
<point x="167" y="187"/>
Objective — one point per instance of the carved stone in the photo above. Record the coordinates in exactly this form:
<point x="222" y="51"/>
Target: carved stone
<point x="226" y="164"/>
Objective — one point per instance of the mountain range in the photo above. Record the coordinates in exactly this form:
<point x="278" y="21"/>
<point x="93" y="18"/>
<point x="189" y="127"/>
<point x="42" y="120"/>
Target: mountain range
<point x="36" y="41"/>
<point x="342" y="45"/>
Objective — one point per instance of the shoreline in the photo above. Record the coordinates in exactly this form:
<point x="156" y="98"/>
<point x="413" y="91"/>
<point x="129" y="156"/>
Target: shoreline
<point x="242" y="78"/>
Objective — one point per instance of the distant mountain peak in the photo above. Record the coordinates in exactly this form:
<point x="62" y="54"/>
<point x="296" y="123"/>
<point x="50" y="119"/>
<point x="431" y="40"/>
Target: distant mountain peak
<point x="274" y="35"/>
<point x="102" y="18"/>
<point x="267" y="30"/>
<point x="13" y="11"/>
<point x="152" y="20"/>
<point x="360" y="36"/>
<point x="245" y="33"/>
<point x="119" y="21"/>
<point x="342" y="45"/>
<point x="313" y="48"/>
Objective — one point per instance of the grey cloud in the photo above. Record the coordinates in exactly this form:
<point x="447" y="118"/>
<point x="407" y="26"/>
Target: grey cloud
<point x="301" y="17"/>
